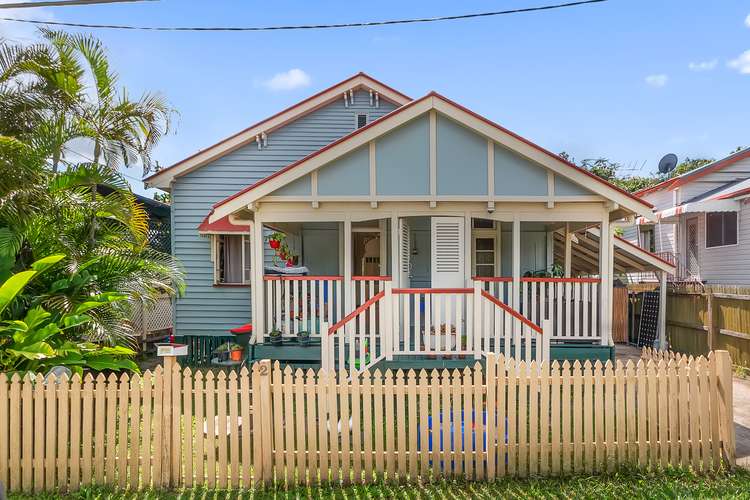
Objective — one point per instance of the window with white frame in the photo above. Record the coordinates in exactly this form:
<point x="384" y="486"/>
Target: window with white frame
<point x="721" y="229"/>
<point x="484" y="244"/>
<point x="231" y="254"/>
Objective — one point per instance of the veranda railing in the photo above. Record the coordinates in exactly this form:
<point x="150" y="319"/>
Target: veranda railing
<point x="572" y="304"/>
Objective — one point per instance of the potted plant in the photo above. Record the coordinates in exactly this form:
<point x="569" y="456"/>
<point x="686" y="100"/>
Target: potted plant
<point x="303" y="337"/>
<point x="274" y="337"/>
<point x="233" y="350"/>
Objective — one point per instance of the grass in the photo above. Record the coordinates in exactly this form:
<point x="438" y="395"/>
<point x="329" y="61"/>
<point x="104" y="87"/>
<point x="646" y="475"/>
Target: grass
<point x="669" y="483"/>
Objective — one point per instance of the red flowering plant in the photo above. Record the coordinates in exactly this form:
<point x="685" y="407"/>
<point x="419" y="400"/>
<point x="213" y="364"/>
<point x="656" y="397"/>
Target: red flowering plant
<point x="277" y="242"/>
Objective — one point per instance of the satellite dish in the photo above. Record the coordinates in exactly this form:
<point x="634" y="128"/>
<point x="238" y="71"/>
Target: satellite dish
<point x="668" y="163"/>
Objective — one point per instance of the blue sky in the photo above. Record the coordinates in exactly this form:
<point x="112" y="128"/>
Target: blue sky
<point x="627" y="79"/>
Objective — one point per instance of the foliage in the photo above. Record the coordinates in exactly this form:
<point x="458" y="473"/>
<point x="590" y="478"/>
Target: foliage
<point x="41" y="340"/>
<point x="165" y="198"/>
<point x="45" y="100"/>
<point x="611" y="171"/>
<point x="227" y="347"/>
<point x="277" y="242"/>
<point x="636" y="484"/>
<point x="52" y="205"/>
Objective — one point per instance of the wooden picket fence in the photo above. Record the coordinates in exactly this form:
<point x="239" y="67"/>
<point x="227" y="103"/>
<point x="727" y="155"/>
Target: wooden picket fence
<point x="269" y="425"/>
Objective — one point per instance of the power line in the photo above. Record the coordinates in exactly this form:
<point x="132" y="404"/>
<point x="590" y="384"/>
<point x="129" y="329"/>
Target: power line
<point x="62" y="3"/>
<point x="364" y="24"/>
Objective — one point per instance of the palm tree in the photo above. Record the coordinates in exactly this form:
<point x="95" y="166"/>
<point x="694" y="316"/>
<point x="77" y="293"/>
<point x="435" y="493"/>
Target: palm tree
<point x="45" y="85"/>
<point x="45" y="210"/>
<point x="122" y="130"/>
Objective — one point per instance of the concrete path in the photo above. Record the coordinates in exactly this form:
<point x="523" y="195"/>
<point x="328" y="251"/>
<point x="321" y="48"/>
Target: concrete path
<point x="742" y="420"/>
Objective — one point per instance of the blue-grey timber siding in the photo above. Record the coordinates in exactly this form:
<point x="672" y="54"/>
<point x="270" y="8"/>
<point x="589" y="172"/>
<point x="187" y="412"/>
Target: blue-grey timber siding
<point x="517" y="176"/>
<point x="403" y="159"/>
<point x="300" y="187"/>
<point x="461" y="160"/>
<point x="349" y="175"/>
<point x="209" y="310"/>
<point x="565" y="187"/>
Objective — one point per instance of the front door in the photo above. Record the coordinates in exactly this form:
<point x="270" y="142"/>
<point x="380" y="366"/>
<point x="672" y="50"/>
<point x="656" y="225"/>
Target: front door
<point x="691" y="246"/>
<point x="448" y="252"/>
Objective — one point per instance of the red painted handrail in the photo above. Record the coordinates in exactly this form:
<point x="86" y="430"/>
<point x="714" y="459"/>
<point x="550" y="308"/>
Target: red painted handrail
<point x="512" y="312"/>
<point x="371" y="278"/>
<point x="281" y="277"/>
<point x="505" y="279"/>
<point x="357" y="311"/>
<point x="414" y="291"/>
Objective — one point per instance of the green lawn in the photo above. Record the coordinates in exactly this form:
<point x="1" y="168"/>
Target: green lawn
<point x="673" y="483"/>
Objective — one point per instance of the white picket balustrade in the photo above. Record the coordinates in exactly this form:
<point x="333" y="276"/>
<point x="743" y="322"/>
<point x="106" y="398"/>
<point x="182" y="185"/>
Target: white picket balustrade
<point x="505" y="331"/>
<point x="303" y="303"/>
<point x="434" y="321"/>
<point x="572" y="304"/>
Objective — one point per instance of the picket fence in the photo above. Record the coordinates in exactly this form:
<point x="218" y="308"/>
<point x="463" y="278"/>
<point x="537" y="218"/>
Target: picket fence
<point x="269" y="425"/>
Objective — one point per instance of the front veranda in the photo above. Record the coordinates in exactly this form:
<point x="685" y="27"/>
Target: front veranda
<point x="402" y="283"/>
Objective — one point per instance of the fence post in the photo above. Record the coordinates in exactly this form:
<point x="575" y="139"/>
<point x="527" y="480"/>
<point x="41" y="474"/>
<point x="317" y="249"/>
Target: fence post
<point x="388" y="327"/>
<point x="166" y="421"/>
<point x="262" y="426"/>
<point x="478" y="332"/>
<point x="726" y="401"/>
<point x="713" y="325"/>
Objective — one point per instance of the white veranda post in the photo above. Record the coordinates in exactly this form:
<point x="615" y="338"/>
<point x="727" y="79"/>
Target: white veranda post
<point x="257" y="293"/>
<point x="606" y="244"/>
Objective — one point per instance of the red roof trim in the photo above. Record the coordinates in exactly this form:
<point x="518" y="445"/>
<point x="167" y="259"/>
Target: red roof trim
<point x="286" y="110"/>
<point x="698" y="173"/>
<point x="655" y="187"/>
<point x="541" y="149"/>
<point x="319" y="151"/>
<point x="407" y="106"/>
<point x="222" y="225"/>
<point x="734" y="194"/>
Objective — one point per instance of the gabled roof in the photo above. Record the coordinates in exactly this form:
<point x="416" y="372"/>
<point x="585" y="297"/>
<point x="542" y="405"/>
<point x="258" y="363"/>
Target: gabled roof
<point x="164" y="177"/>
<point x="683" y="179"/>
<point x="388" y="122"/>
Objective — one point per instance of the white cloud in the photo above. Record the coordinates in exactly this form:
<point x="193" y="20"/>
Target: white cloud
<point x="288" y="80"/>
<point x="741" y="63"/>
<point x="24" y="33"/>
<point x="657" y="80"/>
<point x="747" y="21"/>
<point x="703" y="65"/>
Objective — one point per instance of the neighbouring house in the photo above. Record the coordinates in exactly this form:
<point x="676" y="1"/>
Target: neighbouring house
<point x="414" y="230"/>
<point x="701" y="222"/>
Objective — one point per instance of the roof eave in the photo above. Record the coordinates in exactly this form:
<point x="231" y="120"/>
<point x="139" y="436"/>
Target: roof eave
<point x="164" y="177"/>
<point x="416" y="108"/>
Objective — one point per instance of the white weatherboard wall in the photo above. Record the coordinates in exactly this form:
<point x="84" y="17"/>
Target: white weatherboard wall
<point x="729" y="265"/>
<point x="209" y="310"/>
<point x="726" y="265"/>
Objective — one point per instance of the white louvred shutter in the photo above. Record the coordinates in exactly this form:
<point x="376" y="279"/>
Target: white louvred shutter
<point x="447" y="260"/>
<point x="404" y="259"/>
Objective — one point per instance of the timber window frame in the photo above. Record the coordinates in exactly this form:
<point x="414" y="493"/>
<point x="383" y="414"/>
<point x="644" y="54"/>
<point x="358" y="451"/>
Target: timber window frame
<point x="728" y="229"/>
<point x="484" y="229"/>
<point x="230" y="254"/>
